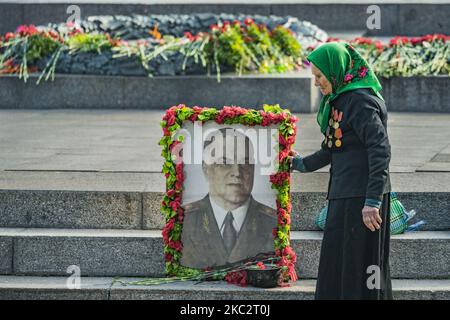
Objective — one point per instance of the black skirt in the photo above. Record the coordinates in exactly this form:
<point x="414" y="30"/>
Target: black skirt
<point x="354" y="261"/>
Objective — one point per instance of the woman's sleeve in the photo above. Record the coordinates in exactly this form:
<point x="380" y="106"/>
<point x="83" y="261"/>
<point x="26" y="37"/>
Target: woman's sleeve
<point x="317" y="160"/>
<point x="365" y="120"/>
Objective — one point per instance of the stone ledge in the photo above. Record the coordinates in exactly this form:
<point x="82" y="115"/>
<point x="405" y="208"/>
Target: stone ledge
<point x="123" y="210"/>
<point x="132" y="200"/>
<point x="48" y="252"/>
<point x="294" y="91"/>
<point x="51" y="288"/>
<point x="421" y="94"/>
<point x="36" y="288"/>
<point x="132" y="182"/>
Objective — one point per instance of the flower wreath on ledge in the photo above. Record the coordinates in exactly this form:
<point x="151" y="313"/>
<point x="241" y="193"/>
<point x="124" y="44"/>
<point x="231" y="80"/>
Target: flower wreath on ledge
<point x="284" y="256"/>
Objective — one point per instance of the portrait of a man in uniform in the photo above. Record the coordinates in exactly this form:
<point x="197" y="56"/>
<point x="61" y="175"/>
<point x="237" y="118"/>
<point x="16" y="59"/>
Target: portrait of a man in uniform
<point x="228" y="224"/>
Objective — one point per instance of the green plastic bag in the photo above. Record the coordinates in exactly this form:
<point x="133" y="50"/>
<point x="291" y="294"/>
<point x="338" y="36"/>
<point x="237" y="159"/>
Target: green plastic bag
<point x="399" y="217"/>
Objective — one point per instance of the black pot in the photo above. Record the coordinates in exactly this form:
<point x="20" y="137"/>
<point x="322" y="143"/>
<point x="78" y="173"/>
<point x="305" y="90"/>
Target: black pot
<point x="267" y="278"/>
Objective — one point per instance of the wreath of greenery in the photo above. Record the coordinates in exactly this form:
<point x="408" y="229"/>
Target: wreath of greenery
<point x="173" y="170"/>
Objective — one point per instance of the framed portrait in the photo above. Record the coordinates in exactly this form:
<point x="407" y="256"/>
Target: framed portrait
<point x="227" y="198"/>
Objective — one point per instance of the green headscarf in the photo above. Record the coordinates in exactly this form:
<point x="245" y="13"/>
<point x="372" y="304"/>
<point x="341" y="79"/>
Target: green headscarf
<point x="346" y="70"/>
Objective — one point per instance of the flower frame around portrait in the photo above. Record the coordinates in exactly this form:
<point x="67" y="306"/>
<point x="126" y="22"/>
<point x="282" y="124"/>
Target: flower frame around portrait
<point x="173" y="170"/>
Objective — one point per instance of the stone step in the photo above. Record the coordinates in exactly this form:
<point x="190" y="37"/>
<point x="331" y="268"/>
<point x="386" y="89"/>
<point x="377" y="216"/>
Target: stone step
<point x="119" y="200"/>
<point x="92" y="288"/>
<point x="49" y="252"/>
<point x="293" y="90"/>
<point x="397" y="16"/>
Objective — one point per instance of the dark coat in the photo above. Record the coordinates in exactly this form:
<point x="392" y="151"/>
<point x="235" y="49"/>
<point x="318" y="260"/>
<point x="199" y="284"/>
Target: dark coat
<point x="203" y="244"/>
<point x="357" y="146"/>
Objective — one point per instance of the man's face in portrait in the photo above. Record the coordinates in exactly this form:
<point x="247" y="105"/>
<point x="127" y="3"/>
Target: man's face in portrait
<point x="230" y="177"/>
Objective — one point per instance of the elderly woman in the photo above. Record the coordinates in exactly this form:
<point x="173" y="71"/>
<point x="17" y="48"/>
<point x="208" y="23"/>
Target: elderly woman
<point x="354" y="259"/>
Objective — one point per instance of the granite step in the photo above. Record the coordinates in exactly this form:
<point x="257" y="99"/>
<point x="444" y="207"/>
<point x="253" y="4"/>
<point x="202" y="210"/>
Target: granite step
<point x="120" y="200"/>
<point x="292" y="90"/>
<point x="93" y="288"/>
<point x="49" y="252"/>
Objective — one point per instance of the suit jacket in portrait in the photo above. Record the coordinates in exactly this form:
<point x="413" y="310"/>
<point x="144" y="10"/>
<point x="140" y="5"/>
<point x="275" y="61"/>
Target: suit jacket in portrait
<point x="203" y="244"/>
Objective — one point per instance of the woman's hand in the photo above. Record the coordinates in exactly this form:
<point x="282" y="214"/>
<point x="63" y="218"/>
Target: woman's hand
<point x="291" y="156"/>
<point x="371" y="218"/>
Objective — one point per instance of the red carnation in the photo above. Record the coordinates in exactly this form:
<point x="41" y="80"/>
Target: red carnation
<point x="282" y="140"/>
<point x="171" y="121"/>
<point x="189" y="36"/>
<point x="274" y="232"/>
<point x="379" y="45"/>
<point x="248" y="21"/>
<point x="292" y="273"/>
<point x="294" y="119"/>
<point x="9" y="36"/>
<point x="180" y="214"/>
<point x="75" y="31"/>
<point x="291" y="139"/>
<point x="175" y="204"/>
<point x="177" y="245"/>
<point x="165" y="235"/>
<point x="167" y="230"/>
<point x="289" y="207"/>
<point x="283" y="154"/>
<point x="170" y="193"/>
<point x="288" y="219"/>
<point x="289" y="252"/>
<point x="416" y="41"/>
<point x="25" y="30"/>
<point x="174" y="145"/>
<point x="169" y="257"/>
<point x="261" y="266"/>
<point x="280" y="221"/>
<point x="237" y="277"/>
<point x="170" y="224"/>
<point x="279" y="178"/>
<point x="284" y="261"/>
<point x="166" y="131"/>
<point x="180" y="177"/>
